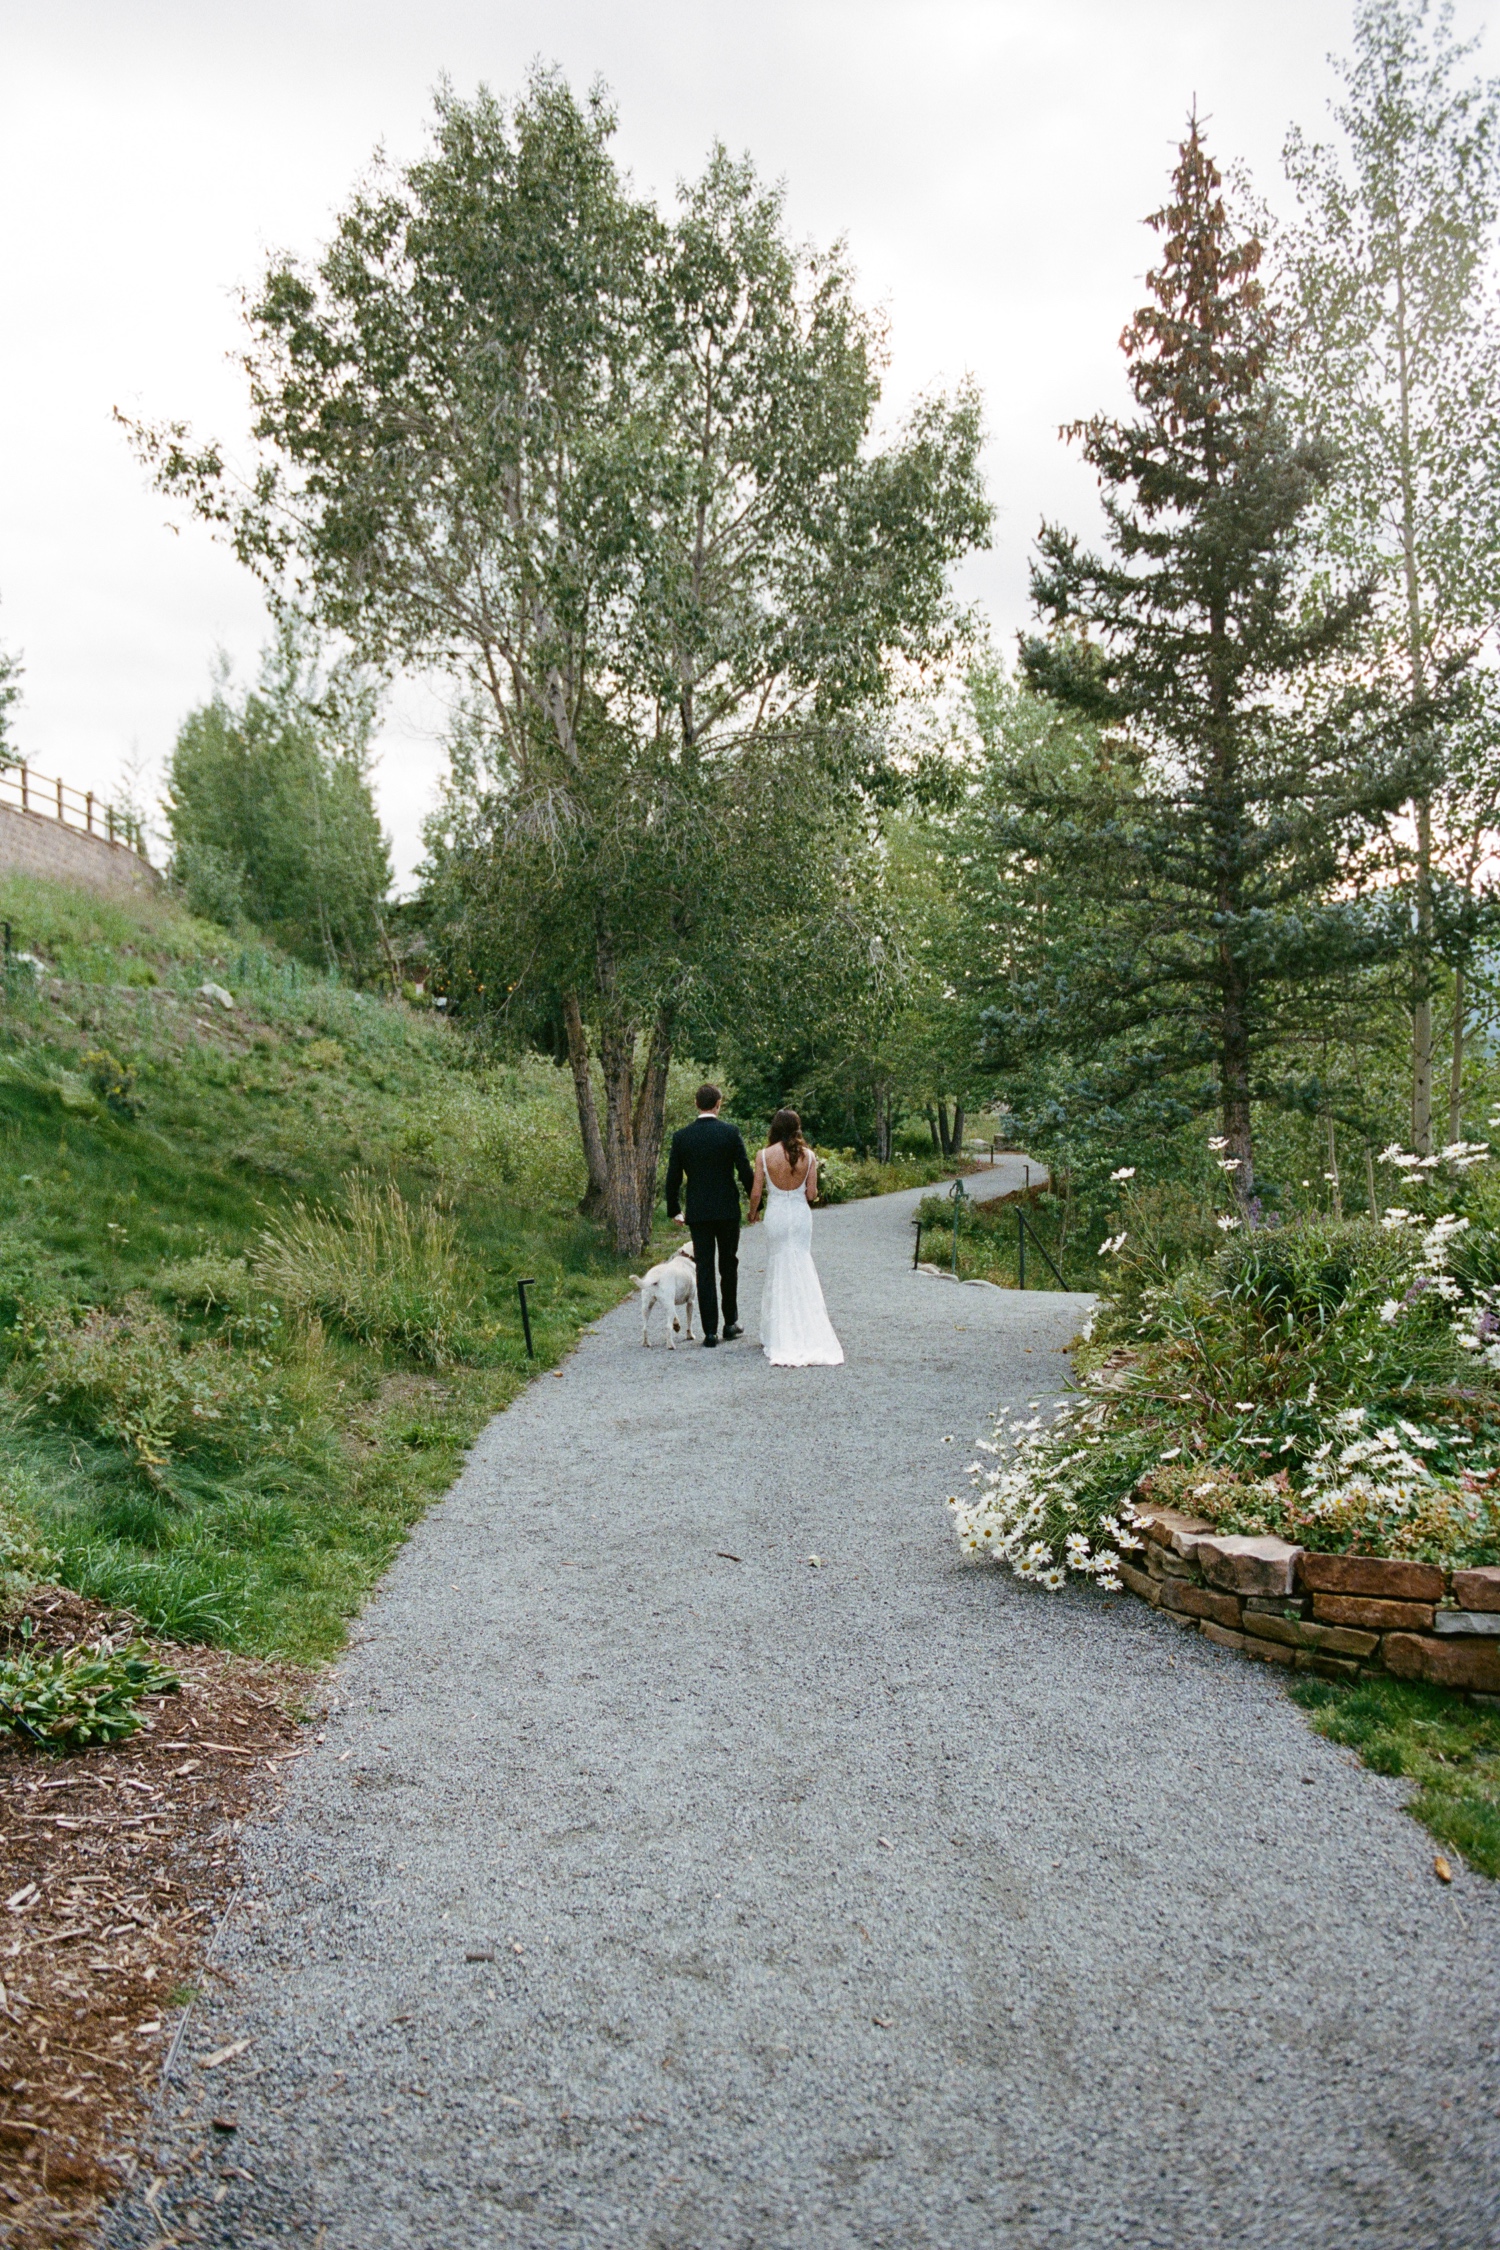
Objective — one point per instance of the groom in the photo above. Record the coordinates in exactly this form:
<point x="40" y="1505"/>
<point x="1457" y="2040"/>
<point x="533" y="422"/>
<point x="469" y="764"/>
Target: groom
<point x="711" y="1152"/>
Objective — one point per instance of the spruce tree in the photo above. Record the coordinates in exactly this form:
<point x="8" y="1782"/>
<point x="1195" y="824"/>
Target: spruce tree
<point x="1205" y="860"/>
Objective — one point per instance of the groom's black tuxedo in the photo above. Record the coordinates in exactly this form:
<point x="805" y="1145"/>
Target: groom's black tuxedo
<point x="712" y="1154"/>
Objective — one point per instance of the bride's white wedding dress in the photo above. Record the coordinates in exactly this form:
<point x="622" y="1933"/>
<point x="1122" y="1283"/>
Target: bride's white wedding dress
<point x="795" y="1330"/>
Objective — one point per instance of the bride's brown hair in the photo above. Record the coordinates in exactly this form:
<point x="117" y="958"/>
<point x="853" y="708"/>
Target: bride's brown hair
<point x="786" y="1127"/>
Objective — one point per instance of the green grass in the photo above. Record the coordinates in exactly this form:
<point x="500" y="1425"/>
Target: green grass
<point x="846" y="1178"/>
<point x="263" y="1528"/>
<point x="988" y="1242"/>
<point x="1429" y="1736"/>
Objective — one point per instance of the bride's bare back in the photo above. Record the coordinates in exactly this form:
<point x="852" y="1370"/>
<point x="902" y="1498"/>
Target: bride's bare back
<point x="795" y="1330"/>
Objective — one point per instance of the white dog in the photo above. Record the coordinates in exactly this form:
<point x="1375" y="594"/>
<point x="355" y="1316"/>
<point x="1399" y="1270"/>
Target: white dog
<point x="672" y="1284"/>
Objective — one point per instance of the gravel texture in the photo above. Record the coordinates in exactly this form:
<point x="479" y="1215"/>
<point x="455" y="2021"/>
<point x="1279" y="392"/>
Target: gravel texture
<point x="884" y="1902"/>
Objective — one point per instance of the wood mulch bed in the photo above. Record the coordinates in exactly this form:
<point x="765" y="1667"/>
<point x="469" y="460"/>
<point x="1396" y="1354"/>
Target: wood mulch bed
<point x="117" y="1865"/>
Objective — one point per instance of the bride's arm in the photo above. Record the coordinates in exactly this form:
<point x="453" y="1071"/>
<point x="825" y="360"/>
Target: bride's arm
<point x="812" y="1179"/>
<point x="757" y="1186"/>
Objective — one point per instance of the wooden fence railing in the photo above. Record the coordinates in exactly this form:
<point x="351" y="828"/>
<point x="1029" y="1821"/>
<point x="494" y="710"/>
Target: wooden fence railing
<point x="33" y="792"/>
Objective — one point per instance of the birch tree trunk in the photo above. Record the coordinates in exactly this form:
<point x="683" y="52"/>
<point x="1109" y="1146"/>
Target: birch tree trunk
<point x="1456" y="1071"/>
<point x="588" y="1115"/>
<point x="623" y="1154"/>
<point x="650" y="1120"/>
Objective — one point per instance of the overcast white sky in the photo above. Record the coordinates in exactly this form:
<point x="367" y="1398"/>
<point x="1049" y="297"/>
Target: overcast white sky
<point x="989" y="162"/>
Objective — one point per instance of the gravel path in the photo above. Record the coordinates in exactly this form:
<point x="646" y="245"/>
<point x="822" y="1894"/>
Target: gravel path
<point x="885" y="1902"/>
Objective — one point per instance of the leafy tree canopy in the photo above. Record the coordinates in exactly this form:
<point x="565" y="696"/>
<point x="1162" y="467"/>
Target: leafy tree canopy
<point x="616" y="473"/>
<point x="1392" y="352"/>
<point x="10" y="695"/>
<point x="270" y="809"/>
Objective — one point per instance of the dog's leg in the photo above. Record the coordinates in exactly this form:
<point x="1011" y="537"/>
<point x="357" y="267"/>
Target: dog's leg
<point x="689" y="1306"/>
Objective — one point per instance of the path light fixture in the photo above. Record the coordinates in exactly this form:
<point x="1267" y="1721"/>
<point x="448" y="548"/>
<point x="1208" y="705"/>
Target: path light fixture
<point x="521" y="1289"/>
<point x="958" y="1196"/>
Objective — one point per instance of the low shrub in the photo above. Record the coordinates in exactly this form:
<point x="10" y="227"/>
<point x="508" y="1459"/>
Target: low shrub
<point x="123" y="1376"/>
<point x="113" y="1082"/>
<point x="989" y="1244"/>
<point x="71" y="1698"/>
<point x="24" y="1559"/>
<point x="513" y="1127"/>
<point x="844" y="1177"/>
<point x="386" y="1271"/>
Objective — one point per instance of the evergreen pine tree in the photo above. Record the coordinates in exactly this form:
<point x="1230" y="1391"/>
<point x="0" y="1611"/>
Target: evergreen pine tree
<point x="1202" y="862"/>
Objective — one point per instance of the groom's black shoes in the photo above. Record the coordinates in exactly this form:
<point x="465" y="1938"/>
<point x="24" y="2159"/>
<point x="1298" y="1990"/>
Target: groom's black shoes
<point x="710" y="1343"/>
<point x="734" y="1329"/>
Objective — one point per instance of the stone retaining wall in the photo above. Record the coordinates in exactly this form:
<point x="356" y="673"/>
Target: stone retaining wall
<point x="1344" y="1616"/>
<point x="35" y="844"/>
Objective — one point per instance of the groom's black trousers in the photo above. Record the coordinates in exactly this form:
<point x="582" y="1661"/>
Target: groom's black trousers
<point x="721" y="1236"/>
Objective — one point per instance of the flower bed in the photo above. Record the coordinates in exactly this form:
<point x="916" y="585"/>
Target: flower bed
<point x="1342" y="1616"/>
<point x="1334" y="1385"/>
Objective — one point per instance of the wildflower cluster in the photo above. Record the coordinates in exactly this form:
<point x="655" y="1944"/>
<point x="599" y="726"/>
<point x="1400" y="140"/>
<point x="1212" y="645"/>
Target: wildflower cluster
<point x="1035" y="1502"/>
<point x="1332" y="1381"/>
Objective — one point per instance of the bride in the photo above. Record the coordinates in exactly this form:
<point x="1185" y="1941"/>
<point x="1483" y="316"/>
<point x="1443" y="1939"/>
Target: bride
<point x="795" y="1330"/>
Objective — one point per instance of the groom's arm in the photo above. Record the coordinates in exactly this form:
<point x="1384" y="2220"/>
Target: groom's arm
<point x="674" y="1179"/>
<point x="742" y="1162"/>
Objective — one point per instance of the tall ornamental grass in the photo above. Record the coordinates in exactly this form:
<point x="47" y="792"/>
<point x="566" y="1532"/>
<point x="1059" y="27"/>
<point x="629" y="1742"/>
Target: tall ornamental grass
<point x="387" y="1271"/>
<point x="512" y="1128"/>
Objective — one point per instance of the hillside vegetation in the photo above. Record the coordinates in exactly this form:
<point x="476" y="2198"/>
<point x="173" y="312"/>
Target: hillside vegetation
<point x="257" y="1266"/>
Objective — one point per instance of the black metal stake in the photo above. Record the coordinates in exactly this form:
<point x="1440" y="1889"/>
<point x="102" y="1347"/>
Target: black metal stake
<point x="1021" y="1243"/>
<point x="916" y="1256"/>
<point x="521" y="1289"/>
<point x="1037" y="1243"/>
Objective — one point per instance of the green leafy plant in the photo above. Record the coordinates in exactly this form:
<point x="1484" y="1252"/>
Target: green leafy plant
<point x="24" y="1559"/>
<point x="386" y="1271"/>
<point x="844" y="1177"/>
<point x="113" y="1082"/>
<point x="71" y="1698"/>
<point x="123" y="1375"/>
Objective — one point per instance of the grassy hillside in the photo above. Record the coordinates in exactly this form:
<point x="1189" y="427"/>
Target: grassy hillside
<point x="221" y="1403"/>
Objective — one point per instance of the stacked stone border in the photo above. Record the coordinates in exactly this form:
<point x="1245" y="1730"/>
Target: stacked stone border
<point x="1345" y="1617"/>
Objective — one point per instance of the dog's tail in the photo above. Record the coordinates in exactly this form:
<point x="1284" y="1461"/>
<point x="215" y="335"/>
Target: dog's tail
<point x="639" y="1279"/>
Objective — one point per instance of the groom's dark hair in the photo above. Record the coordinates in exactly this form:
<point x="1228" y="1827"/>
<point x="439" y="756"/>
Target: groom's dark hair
<point x="709" y="1097"/>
